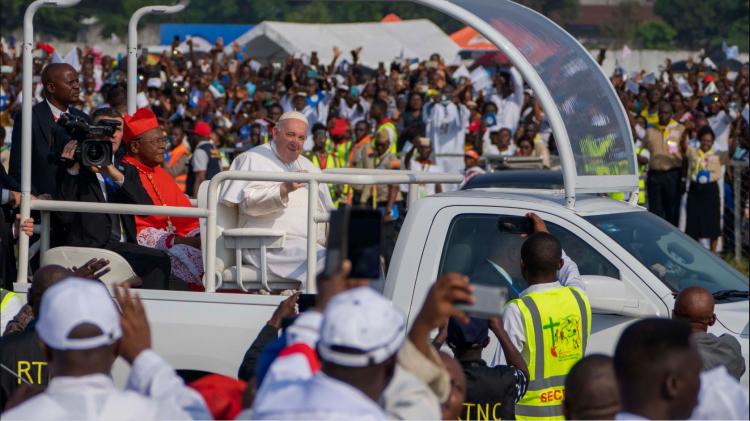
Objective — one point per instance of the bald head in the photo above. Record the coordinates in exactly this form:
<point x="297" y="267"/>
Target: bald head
<point x="61" y="84"/>
<point x="591" y="390"/>
<point x="695" y="305"/>
<point x="44" y="278"/>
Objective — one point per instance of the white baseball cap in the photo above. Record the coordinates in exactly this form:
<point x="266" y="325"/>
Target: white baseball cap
<point x="360" y="328"/>
<point x="72" y="302"/>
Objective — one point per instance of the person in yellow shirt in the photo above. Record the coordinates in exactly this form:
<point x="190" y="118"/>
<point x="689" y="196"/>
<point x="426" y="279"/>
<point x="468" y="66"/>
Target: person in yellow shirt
<point x="663" y="182"/>
<point x="650" y="111"/>
<point x="703" y="204"/>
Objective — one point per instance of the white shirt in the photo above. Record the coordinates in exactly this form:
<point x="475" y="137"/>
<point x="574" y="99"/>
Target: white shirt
<point x="512" y="319"/>
<point x="154" y="392"/>
<point x="200" y="157"/>
<point x="490" y="149"/>
<point x="509" y="108"/>
<point x="720" y="124"/>
<point x="318" y="398"/>
<point x="427" y="189"/>
<point x="56" y="112"/>
<point x="721" y="397"/>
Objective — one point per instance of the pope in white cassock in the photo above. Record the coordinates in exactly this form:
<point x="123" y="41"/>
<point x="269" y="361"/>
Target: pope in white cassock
<point x="277" y="205"/>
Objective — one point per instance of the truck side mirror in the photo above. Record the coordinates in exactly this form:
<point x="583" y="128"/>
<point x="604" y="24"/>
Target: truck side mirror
<point x="613" y="296"/>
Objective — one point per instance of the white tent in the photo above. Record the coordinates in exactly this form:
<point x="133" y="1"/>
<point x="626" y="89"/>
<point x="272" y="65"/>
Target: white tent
<point x="380" y="41"/>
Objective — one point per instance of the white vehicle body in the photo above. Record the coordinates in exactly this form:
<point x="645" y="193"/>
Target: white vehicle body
<point x="212" y="330"/>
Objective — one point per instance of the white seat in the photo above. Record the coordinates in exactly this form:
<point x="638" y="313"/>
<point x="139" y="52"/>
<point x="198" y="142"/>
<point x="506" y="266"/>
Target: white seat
<point x="68" y="257"/>
<point x="231" y="241"/>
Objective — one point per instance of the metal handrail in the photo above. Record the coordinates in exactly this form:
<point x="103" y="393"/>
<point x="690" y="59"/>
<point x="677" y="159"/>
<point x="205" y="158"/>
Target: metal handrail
<point x="339" y="176"/>
<point x="312" y="179"/>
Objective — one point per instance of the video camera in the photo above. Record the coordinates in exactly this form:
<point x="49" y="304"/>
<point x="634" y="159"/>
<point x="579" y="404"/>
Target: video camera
<point x="94" y="144"/>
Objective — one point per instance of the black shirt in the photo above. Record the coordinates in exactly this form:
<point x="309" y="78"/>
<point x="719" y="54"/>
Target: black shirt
<point x="22" y="354"/>
<point x="492" y="392"/>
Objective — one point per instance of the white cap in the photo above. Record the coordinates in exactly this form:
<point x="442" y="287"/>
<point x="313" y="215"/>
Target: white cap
<point x="293" y="115"/>
<point x="360" y="328"/>
<point x="305" y="329"/>
<point x="72" y="302"/>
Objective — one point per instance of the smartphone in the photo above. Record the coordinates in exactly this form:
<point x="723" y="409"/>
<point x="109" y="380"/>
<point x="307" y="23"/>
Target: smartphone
<point x="515" y="225"/>
<point x="488" y="302"/>
<point x="355" y="234"/>
<point x="306" y="302"/>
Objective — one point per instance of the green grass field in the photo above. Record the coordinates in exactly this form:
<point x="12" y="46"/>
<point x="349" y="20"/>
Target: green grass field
<point x="743" y="266"/>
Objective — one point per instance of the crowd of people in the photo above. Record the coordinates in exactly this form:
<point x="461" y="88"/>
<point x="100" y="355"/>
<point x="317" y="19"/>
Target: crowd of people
<point x="405" y="107"/>
<point x="352" y="354"/>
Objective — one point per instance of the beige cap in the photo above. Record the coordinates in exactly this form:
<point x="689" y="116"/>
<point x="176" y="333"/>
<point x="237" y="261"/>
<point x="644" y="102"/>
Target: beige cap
<point x="421" y="141"/>
<point x="382" y="135"/>
<point x="293" y="115"/>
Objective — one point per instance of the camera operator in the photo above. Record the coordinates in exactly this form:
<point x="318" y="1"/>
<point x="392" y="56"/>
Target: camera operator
<point x="61" y="91"/>
<point x="112" y="183"/>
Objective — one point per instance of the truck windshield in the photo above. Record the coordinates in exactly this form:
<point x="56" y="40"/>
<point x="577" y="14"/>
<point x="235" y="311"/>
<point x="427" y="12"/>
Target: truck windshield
<point x="671" y="255"/>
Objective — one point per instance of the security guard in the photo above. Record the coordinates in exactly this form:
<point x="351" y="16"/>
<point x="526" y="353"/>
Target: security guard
<point x="324" y="157"/>
<point x="641" y="156"/>
<point x="386" y="127"/>
<point x="549" y="323"/>
<point x="10" y="304"/>
<point x="491" y="392"/>
<point x="205" y="162"/>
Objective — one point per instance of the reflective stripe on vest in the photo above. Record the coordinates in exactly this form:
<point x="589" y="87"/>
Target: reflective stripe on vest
<point x="560" y="330"/>
<point x="5" y="297"/>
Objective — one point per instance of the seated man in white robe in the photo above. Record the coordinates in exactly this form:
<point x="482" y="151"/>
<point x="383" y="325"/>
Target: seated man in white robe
<point x="277" y="205"/>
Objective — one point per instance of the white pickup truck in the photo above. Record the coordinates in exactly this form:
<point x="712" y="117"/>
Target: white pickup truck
<point x="631" y="261"/>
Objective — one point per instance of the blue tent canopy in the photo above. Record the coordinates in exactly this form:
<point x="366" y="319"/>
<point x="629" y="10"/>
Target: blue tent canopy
<point x="207" y="31"/>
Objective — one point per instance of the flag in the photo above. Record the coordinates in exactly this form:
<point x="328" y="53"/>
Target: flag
<point x="114" y="39"/>
<point x="461" y="72"/>
<point x="709" y="63"/>
<point x="70" y="58"/>
<point x="625" y="53"/>
<point x="684" y="87"/>
<point x="480" y="79"/>
<point x="649" y="79"/>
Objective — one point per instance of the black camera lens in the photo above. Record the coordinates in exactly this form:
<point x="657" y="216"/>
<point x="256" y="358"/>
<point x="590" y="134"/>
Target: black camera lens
<point x="95" y="152"/>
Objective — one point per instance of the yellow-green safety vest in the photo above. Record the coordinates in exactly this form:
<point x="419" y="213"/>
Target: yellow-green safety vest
<point x="340" y="151"/>
<point x="641" y="181"/>
<point x="557" y="324"/>
<point x="391" y="127"/>
<point x="5" y="297"/>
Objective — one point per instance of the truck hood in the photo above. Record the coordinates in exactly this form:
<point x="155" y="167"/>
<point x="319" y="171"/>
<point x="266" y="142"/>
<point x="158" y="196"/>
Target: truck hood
<point x="734" y="316"/>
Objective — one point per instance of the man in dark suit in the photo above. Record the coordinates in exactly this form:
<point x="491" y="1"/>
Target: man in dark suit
<point x="116" y="183"/>
<point x="61" y="90"/>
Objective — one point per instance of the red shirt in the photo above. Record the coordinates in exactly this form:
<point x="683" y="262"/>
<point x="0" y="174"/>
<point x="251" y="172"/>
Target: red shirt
<point x="163" y="191"/>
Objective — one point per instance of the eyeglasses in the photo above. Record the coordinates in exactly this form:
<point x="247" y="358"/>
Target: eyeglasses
<point x="158" y="141"/>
